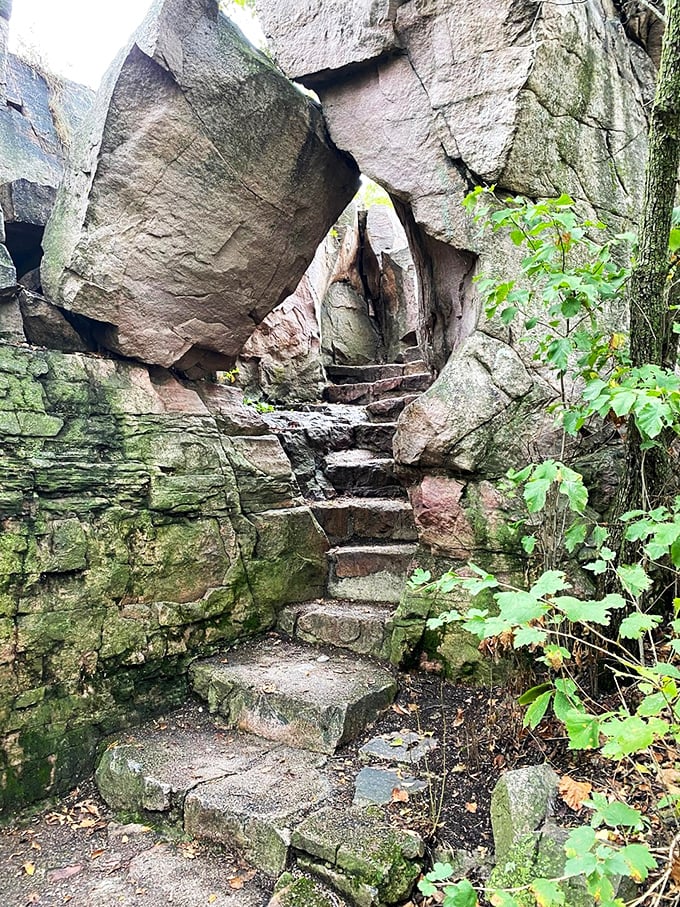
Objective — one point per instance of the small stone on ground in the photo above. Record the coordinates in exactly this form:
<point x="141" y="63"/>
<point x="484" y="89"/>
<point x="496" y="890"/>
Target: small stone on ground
<point x="405" y="746"/>
<point x="378" y="786"/>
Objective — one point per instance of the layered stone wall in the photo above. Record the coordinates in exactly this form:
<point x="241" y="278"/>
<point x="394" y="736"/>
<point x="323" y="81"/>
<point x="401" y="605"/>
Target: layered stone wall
<point x="142" y="521"/>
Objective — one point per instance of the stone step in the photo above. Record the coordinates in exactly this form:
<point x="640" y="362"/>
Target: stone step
<point x="299" y="889"/>
<point x="287" y="692"/>
<point x="370" y="391"/>
<point x="369" y="573"/>
<point x="361" y="374"/>
<point x="415" y="367"/>
<point x="362" y="473"/>
<point x="359" y="853"/>
<point x="361" y="627"/>
<point x="411" y="354"/>
<point x="378" y="436"/>
<point x="345" y="519"/>
<point x="217" y="784"/>
<point x="389" y="410"/>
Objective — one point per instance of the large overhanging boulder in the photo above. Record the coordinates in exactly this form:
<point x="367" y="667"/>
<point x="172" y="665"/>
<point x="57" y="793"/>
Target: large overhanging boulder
<point x="200" y="189"/>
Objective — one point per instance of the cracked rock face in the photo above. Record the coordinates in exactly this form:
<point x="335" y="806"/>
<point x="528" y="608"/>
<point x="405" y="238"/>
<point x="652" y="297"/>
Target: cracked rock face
<point x="38" y="115"/>
<point x="201" y="187"/>
<point x="434" y="96"/>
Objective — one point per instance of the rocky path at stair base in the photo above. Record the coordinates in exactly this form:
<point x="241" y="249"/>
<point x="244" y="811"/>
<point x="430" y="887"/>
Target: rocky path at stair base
<point x="102" y="860"/>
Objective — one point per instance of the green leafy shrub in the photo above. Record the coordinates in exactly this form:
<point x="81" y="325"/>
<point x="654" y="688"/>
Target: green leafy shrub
<point x="568" y="282"/>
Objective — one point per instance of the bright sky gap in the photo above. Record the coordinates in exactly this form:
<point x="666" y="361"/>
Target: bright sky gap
<point x="79" y="39"/>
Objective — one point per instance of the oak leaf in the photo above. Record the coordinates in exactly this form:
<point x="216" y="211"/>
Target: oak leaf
<point x="574" y="792"/>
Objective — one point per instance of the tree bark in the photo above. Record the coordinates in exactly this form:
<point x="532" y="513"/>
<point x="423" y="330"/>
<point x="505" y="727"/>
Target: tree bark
<point x="650" y="478"/>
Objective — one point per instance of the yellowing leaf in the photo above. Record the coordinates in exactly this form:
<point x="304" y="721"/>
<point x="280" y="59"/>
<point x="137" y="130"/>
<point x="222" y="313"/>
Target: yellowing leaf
<point x="574" y="792"/>
<point x="29" y="868"/>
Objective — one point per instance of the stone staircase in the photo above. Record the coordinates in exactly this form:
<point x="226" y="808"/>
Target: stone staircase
<point x="364" y="509"/>
<point x="251" y="772"/>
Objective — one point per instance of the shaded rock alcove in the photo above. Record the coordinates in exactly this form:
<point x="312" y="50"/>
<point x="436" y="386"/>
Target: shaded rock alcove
<point x="38" y="115"/>
<point x="356" y="305"/>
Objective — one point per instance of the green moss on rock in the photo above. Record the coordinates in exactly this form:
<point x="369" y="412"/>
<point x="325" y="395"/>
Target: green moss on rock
<point x="124" y="552"/>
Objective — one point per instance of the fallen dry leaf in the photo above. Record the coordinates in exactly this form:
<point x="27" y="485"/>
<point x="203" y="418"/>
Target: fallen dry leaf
<point x="189" y="851"/>
<point x="675" y="870"/>
<point x="459" y="719"/>
<point x="60" y="875"/>
<point x="471" y="807"/>
<point x="29" y="868"/>
<point x="399" y="710"/>
<point x="574" y="792"/>
<point x="399" y="795"/>
<point x="89" y="806"/>
<point x="56" y="818"/>
<point x="671" y="778"/>
<point x="236" y="883"/>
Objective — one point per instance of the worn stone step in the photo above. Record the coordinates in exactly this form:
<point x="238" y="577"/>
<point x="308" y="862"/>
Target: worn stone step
<point x="369" y="572"/>
<point x="287" y="692"/>
<point x="371" y="391"/>
<point x="378" y="436"/>
<point x="345" y="519"/>
<point x="218" y="784"/>
<point x="299" y="889"/>
<point x="361" y="627"/>
<point x="360" y="854"/>
<point x="361" y="374"/>
<point x="410" y="354"/>
<point x="389" y="410"/>
<point x="360" y="472"/>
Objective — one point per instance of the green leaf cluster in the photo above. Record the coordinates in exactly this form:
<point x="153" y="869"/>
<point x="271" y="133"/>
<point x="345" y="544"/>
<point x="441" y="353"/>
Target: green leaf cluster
<point x="569" y="272"/>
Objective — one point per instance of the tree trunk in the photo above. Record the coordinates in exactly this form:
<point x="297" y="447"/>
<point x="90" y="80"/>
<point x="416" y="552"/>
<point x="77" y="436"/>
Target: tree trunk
<point x="649" y="476"/>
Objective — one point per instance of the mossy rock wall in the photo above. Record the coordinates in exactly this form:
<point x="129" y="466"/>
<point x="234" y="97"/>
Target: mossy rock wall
<point x="142" y="522"/>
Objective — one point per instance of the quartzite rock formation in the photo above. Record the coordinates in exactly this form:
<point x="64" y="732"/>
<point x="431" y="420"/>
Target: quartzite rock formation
<point x="142" y="520"/>
<point x="201" y="187"/>
<point x="145" y="519"/>
<point x="434" y="97"/>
